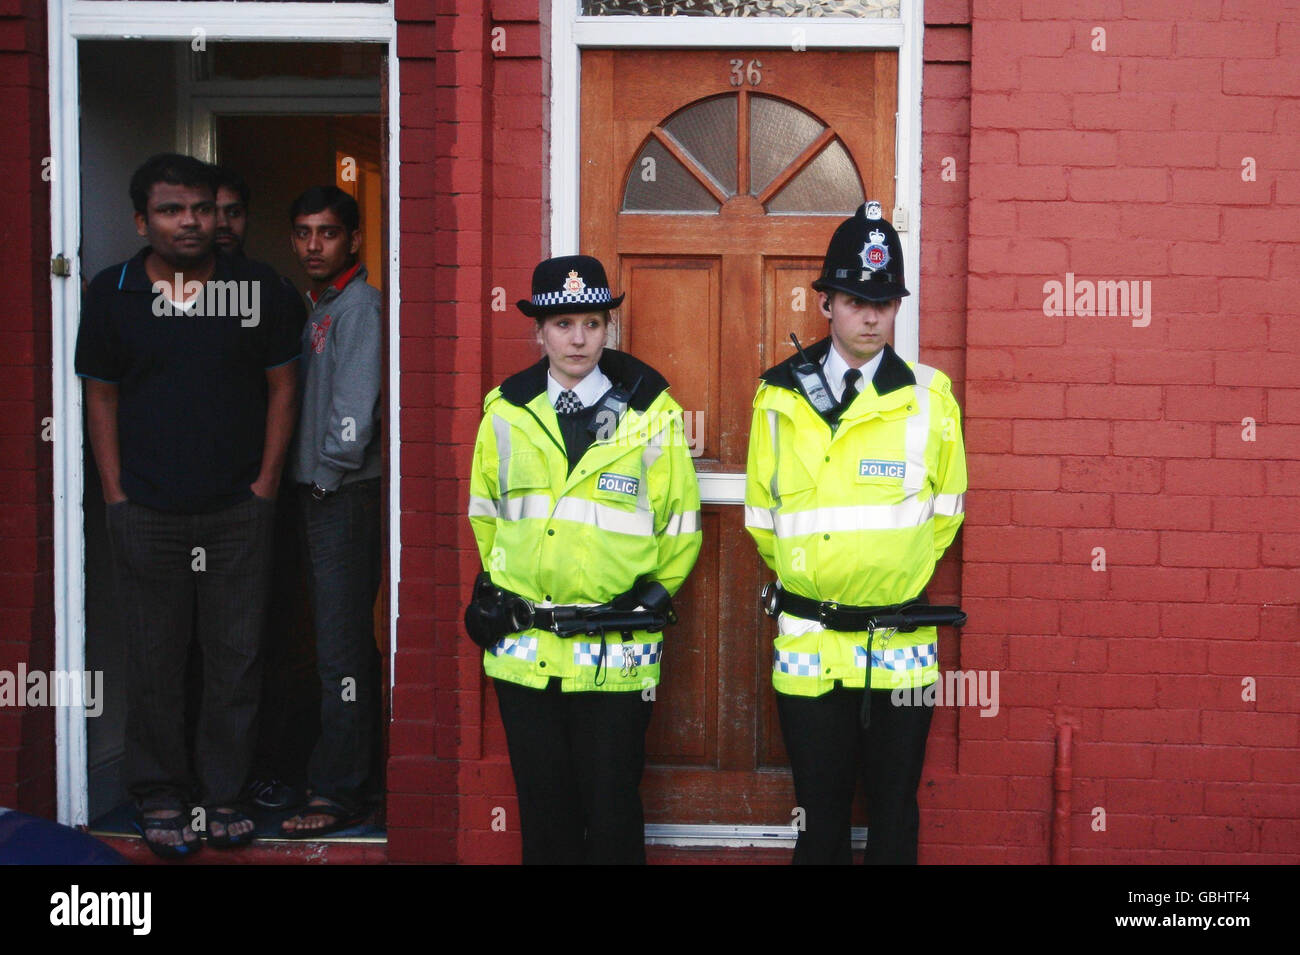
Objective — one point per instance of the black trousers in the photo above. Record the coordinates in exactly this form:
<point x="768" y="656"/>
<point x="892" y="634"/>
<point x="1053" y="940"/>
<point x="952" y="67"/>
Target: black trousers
<point x="577" y="760"/>
<point x="175" y="573"/>
<point x="343" y="545"/>
<point x="829" y="751"/>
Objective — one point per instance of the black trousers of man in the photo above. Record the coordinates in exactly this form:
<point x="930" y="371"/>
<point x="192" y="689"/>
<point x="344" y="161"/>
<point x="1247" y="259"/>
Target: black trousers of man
<point x="829" y="751"/>
<point x="577" y="760"/>
<point x="166" y="565"/>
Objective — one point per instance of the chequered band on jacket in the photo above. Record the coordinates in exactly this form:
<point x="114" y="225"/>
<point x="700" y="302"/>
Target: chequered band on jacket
<point x="520" y="647"/>
<point x="641" y="654"/>
<point x="797" y="664"/>
<point x="904" y="658"/>
<point x="588" y="296"/>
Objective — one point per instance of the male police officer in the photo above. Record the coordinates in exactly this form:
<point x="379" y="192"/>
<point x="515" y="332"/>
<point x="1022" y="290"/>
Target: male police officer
<point x="586" y="511"/>
<point x="855" y="481"/>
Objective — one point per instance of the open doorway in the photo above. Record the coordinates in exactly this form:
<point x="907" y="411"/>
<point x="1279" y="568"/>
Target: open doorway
<point x="284" y="116"/>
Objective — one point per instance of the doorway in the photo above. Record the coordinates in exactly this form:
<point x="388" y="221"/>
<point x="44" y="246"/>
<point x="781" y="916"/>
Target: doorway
<point x="711" y="183"/>
<point x="285" y="116"/>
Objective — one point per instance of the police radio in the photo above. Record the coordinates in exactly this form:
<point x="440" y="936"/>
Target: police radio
<point x="812" y="382"/>
<point x="610" y="410"/>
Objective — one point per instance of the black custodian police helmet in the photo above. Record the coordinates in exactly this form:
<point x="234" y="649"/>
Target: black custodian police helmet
<point x="865" y="258"/>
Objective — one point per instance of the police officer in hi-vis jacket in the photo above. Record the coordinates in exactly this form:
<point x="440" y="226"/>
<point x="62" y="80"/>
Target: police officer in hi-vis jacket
<point x="586" y="511"/>
<point x="854" y="490"/>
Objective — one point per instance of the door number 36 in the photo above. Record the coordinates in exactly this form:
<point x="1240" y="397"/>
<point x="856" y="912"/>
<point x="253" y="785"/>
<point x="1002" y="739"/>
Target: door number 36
<point x="742" y="72"/>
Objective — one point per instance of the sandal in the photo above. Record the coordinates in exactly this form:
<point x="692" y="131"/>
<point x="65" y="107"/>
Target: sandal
<point x="228" y="818"/>
<point x="178" y="823"/>
<point x="320" y="806"/>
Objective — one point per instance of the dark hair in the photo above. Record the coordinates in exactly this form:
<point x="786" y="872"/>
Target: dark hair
<point x="173" y="169"/>
<point x="229" y="179"/>
<point x="319" y="198"/>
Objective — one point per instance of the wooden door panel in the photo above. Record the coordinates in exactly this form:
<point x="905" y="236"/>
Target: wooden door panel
<point x="711" y="303"/>
<point x="686" y="705"/>
<point x="671" y="316"/>
<point x="791" y="305"/>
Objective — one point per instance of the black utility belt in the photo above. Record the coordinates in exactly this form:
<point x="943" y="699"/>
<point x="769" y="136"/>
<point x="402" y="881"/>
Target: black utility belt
<point x="904" y="617"/>
<point x="495" y="612"/>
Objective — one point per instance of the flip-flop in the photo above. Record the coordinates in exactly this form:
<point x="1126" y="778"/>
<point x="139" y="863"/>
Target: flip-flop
<point x="344" y="818"/>
<point x="228" y="818"/>
<point x="178" y="823"/>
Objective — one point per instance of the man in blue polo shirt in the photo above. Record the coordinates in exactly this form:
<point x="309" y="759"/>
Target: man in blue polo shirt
<point x="189" y="360"/>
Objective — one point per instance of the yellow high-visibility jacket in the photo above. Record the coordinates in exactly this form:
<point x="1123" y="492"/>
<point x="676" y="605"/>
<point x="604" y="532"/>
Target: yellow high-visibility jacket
<point x="629" y="509"/>
<point x="859" y="514"/>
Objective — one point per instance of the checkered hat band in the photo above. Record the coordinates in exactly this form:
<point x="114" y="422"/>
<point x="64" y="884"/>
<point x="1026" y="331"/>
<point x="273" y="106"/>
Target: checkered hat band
<point x="797" y="664"/>
<point x="588" y="296"/>
<point x="904" y="658"/>
<point x="519" y="647"/>
<point x="641" y="654"/>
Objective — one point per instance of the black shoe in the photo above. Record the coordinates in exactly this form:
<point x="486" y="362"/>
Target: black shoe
<point x="275" y="795"/>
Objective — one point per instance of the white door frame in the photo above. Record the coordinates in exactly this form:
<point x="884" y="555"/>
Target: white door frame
<point x="571" y="33"/>
<point x="70" y="21"/>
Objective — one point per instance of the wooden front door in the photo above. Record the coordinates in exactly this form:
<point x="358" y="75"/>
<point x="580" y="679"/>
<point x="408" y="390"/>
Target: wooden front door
<point x="711" y="183"/>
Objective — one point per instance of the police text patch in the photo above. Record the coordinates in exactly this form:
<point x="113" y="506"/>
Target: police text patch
<point x="868" y="467"/>
<point x="619" y="483"/>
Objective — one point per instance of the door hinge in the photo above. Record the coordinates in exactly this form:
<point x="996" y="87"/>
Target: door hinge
<point x="61" y="266"/>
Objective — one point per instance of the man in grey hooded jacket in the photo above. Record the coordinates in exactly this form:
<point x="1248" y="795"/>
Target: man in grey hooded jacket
<point x="337" y="461"/>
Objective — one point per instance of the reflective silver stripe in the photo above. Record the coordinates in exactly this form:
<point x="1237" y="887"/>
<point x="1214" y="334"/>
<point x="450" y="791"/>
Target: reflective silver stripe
<point x="649" y="455"/>
<point x="528" y="507"/>
<point x="501" y="428"/>
<point x="482" y="507"/>
<point x="774" y="431"/>
<point x="687" y="523"/>
<point x="949" y="505"/>
<point x="638" y="523"/>
<point x="912" y="512"/>
<point x="917" y="434"/>
<point x="759" y="517"/>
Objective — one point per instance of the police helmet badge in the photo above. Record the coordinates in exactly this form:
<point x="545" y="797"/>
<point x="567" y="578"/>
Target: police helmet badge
<point x="875" y="254"/>
<point x="573" y="285"/>
<point x="873" y="210"/>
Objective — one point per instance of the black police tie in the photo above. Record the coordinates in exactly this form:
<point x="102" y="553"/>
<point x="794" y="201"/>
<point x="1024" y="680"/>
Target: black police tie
<point x="851" y="378"/>
<point x="568" y="403"/>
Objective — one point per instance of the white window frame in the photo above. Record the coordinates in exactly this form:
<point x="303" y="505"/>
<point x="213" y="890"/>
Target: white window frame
<point x="70" y="21"/>
<point x="571" y="33"/>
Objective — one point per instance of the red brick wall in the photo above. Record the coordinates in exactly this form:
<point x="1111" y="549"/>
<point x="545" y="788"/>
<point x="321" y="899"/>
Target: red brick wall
<point x="1087" y="432"/>
<point x="27" y="520"/>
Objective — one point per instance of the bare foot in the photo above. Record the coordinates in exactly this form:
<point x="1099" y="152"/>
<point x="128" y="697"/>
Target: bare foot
<point x="237" y="829"/>
<point x="164" y="836"/>
<point x="327" y="814"/>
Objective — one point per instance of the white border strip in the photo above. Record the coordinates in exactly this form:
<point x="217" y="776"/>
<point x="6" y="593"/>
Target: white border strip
<point x="163" y="20"/>
<point x="731" y="837"/>
<point x="571" y="33"/>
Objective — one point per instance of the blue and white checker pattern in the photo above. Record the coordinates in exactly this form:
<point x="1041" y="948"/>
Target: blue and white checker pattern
<point x="588" y="296"/>
<point x="643" y="654"/>
<point x="904" y="658"/>
<point x="517" y="646"/>
<point x="797" y="664"/>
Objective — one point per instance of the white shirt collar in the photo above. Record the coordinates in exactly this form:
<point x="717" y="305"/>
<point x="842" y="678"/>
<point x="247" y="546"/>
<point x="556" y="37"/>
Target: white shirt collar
<point x="589" y="390"/>
<point x="835" y="367"/>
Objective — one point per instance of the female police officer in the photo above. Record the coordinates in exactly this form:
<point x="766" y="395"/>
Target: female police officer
<point x="583" y="498"/>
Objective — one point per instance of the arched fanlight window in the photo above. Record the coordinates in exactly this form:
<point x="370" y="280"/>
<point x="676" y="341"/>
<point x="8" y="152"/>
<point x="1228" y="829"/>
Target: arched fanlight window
<point x="691" y="163"/>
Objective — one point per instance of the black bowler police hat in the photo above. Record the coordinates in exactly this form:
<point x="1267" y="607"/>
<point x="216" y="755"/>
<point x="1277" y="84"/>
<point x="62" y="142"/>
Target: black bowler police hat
<point x="569" y="283"/>
<point x="865" y="258"/>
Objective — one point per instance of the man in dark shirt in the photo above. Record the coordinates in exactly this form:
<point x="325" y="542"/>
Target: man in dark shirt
<point x="189" y="364"/>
